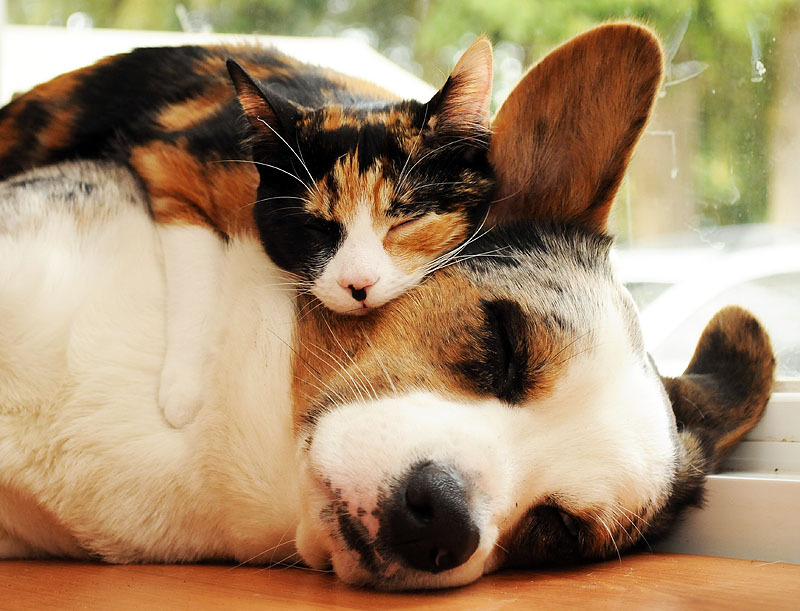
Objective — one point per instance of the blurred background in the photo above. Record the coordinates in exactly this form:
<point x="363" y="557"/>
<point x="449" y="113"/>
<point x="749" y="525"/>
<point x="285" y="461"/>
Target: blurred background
<point x="709" y="213"/>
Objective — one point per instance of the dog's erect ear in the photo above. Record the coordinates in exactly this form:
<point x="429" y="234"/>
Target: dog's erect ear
<point x="460" y="108"/>
<point x="562" y="140"/>
<point x="271" y="116"/>
<point x="718" y="400"/>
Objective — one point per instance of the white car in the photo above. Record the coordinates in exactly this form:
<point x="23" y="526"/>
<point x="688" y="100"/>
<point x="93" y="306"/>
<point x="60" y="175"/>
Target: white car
<point x="682" y="281"/>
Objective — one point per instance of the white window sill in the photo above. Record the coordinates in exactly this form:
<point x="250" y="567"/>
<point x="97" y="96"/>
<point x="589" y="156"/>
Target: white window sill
<point x="752" y="509"/>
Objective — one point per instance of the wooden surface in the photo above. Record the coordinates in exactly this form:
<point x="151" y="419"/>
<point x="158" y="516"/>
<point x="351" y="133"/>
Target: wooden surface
<point x="660" y="581"/>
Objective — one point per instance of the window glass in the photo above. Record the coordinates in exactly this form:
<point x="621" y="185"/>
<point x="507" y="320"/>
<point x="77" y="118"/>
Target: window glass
<point x="773" y="297"/>
<point x="717" y="166"/>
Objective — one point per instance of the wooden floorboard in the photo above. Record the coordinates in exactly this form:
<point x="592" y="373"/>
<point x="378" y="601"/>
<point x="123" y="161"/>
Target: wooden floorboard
<point x="652" y="581"/>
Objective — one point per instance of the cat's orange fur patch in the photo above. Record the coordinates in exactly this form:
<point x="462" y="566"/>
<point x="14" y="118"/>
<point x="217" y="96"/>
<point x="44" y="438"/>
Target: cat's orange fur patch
<point x="426" y="238"/>
<point x="353" y="189"/>
<point x="194" y="111"/>
<point x="185" y="190"/>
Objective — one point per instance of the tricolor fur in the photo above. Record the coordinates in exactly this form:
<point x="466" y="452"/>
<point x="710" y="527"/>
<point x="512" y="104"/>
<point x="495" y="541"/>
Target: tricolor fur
<point x="503" y="413"/>
<point x="355" y="193"/>
<point x="357" y="187"/>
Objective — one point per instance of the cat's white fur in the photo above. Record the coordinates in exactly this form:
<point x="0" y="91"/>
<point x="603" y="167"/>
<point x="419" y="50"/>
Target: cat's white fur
<point x="89" y="467"/>
<point x="361" y="261"/>
<point x="192" y="256"/>
<point x="83" y="343"/>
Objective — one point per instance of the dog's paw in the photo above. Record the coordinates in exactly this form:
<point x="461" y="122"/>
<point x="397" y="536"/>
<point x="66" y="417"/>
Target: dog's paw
<point x="180" y="397"/>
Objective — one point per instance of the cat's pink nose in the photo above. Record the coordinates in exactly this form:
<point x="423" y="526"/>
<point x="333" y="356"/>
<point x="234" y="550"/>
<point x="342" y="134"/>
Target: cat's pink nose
<point x="358" y="286"/>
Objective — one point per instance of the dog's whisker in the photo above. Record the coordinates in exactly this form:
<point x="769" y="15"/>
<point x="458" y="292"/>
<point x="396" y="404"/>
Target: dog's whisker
<point x="610" y="536"/>
<point x="258" y="555"/>
<point x="621" y="527"/>
<point x="625" y="513"/>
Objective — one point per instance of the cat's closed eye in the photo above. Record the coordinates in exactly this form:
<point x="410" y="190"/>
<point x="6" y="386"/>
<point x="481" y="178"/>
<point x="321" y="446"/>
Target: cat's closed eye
<point x="402" y="225"/>
<point x="321" y="227"/>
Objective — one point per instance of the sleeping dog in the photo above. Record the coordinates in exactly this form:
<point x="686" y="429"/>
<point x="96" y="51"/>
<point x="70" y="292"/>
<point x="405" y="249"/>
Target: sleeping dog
<point x="503" y="413"/>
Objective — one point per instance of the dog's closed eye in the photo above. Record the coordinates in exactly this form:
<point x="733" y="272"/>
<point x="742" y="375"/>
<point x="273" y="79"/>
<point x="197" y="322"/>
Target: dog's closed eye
<point x="501" y="366"/>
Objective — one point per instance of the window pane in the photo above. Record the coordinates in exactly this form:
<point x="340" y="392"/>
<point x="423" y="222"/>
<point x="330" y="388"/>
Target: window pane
<point x="721" y="151"/>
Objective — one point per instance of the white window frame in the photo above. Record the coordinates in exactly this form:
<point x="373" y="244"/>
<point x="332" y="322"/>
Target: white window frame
<point x="752" y="507"/>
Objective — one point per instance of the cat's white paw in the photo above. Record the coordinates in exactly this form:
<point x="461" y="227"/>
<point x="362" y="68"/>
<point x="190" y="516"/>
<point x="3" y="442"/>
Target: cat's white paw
<point x="180" y="396"/>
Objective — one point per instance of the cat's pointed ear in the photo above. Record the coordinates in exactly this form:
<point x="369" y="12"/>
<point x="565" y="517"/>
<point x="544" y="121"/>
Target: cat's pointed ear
<point x="461" y="107"/>
<point x="562" y="140"/>
<point x="718" y="400"/>
<point x="271" y="116"/>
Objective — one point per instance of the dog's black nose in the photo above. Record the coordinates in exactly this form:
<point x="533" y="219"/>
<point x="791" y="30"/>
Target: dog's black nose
<point x="428" y="523"/>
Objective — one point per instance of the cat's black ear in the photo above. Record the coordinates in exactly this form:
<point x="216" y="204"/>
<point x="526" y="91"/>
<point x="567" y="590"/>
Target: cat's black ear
<point x="461" y="107"/>
<point x="562" y="140"/>
<point x="271" y="116"/>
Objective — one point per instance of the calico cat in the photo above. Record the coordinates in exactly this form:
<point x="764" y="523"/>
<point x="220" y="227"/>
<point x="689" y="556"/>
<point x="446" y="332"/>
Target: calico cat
<point x="353" y="192"/>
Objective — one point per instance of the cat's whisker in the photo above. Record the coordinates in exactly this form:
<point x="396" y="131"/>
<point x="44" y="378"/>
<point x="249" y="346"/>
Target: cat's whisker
<point x="570" y="344"/>
<point x="495" y="253"/>
<point x="383" y="367"/>
<point x="303" y="161"/>
<point x="451" y="253"/>
<point x="414" y="148"/>
<point x="266" y="551"/>
<point x="310" y="188"/>
<point x="476" y="235"/>
<point x="267" y="199"/>
<point x="354" y="383"/>
<point x="304" y="313"/>
<point x="569" y="358"/>
<point x="298" y="565"/>
<point x="463" y="258"/>
<point x="288" y="173"/>
<point x="347" y="354"/>
<point x="282" y="542"/>
<point x="341" y="367"/>
<point x="325" y="389"/>
<point x="300" y="159"/>
<point x="434" y="184"/>
<point x="633" y="513"/>
<point x="454" y="257"/>
<point x="439" y="149"/>
<point x="507" y="197"/>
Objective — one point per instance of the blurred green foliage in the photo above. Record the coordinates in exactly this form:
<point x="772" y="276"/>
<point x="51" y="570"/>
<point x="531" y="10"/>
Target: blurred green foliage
<point x="726" y="55"/>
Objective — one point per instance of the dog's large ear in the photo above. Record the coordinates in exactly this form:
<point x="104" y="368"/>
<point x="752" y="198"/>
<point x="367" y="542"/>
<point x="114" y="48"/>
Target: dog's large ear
<point x="718" y="400"/>
<point x="562" y="140"/>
